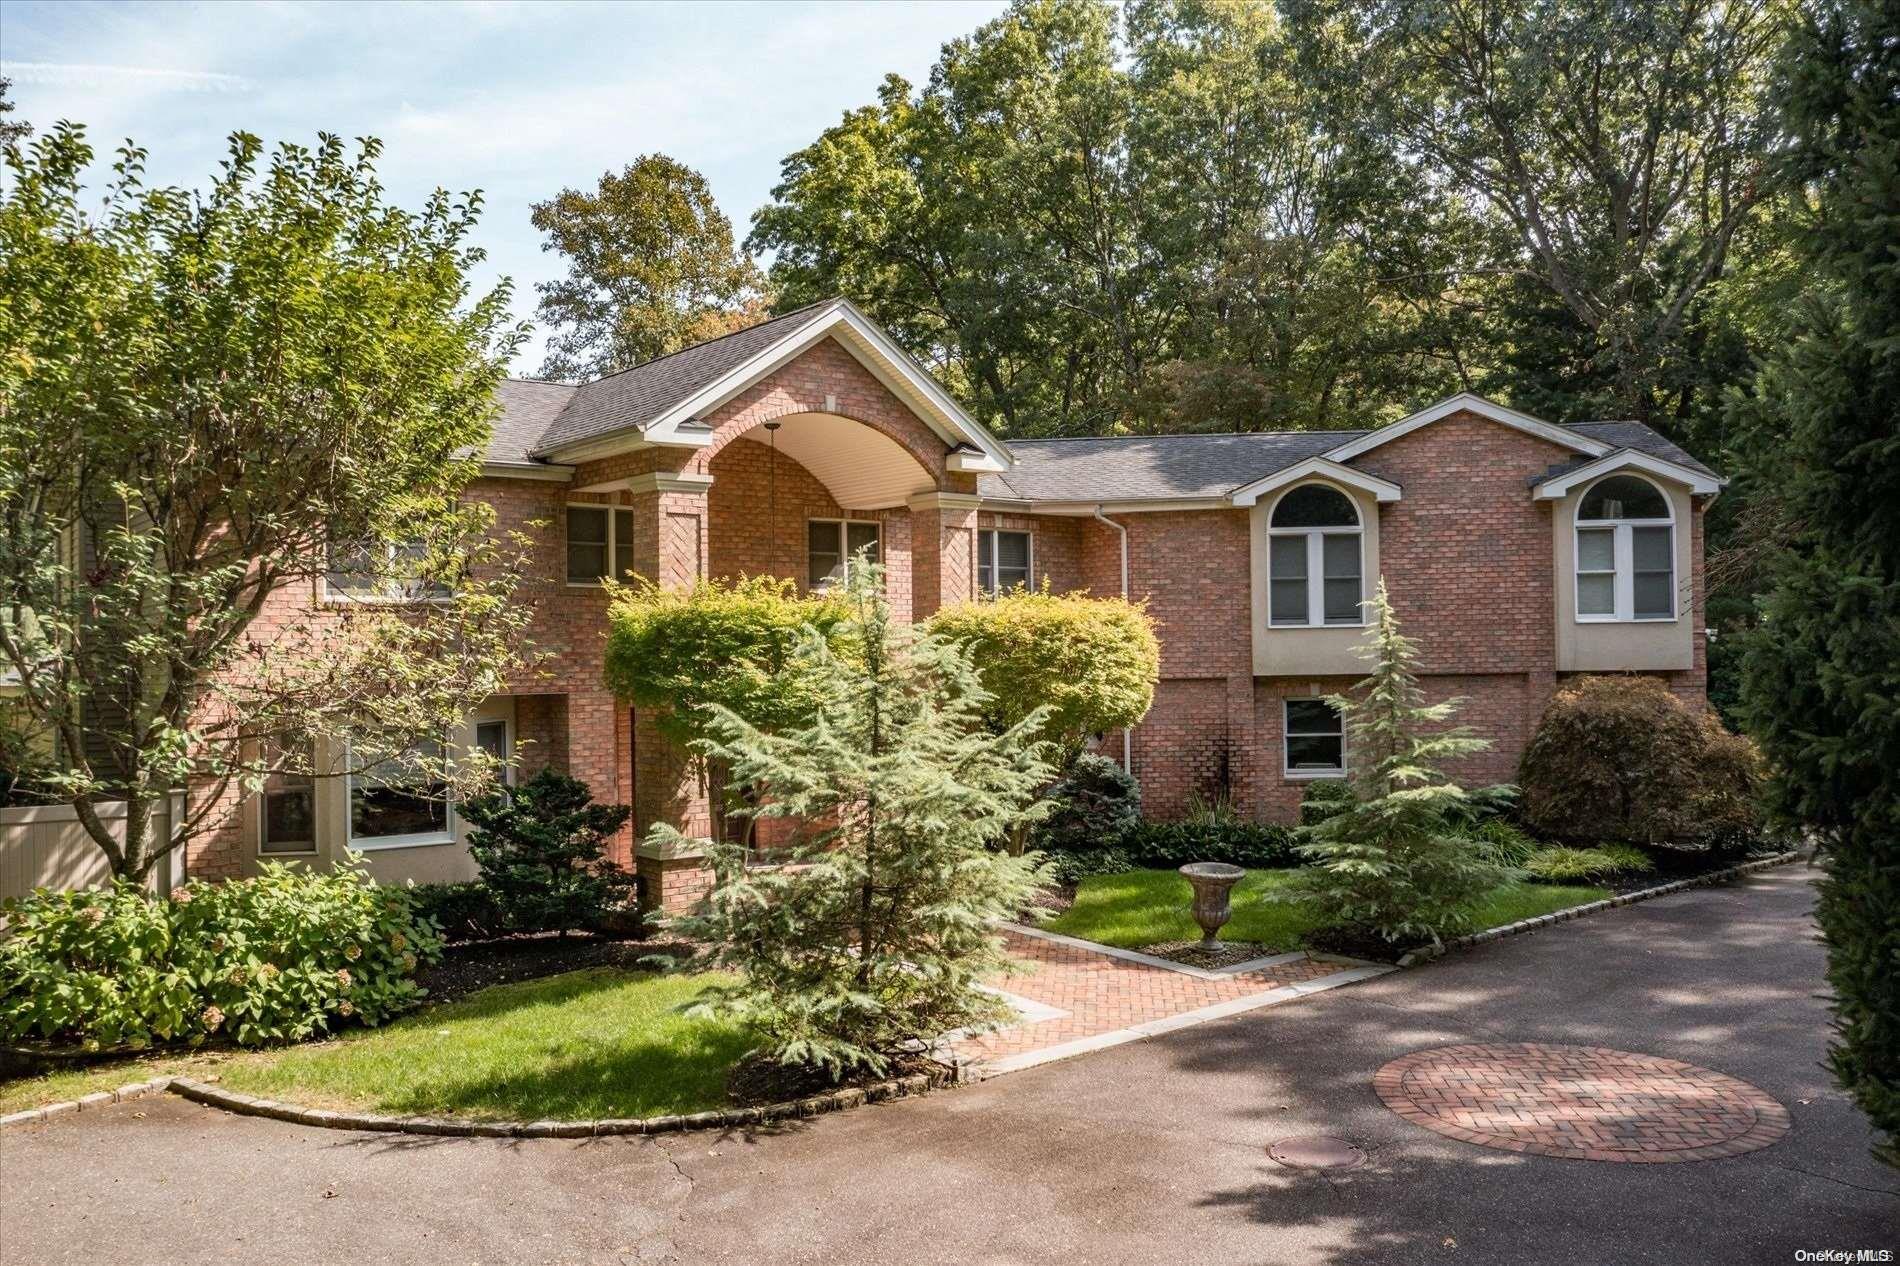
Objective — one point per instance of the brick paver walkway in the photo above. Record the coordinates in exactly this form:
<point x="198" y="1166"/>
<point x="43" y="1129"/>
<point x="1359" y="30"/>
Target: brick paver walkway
<point x="1580" y="1102"/>
<point x="1101" y="994"/>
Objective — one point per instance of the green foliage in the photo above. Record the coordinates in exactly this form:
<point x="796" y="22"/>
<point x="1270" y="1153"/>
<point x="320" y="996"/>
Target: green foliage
<point x="1821" y="682"/>
<point x="1255" y="845"/>
<point x="1093" y="806"/>
<point x="1390" y="861"/>
<point x="204" y="391"/>
<point x="877" y="931"/>
<point x="719" y="645"/>
<point x="1561" y="865"/>
<point x="542" y="848"/>
<point x="1322" y="799"/>
<point x="1086" y="665"/>
<point x="1622" y="758"/>
<point x="1501" y="842"/>
<point x="1072" y="867"/>
<point x="276" y="958"/>
<point x="651" y="268"/>
<point x="465" y="911"/>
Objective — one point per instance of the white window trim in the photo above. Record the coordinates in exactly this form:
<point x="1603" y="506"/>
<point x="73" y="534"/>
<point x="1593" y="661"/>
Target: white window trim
<point x="375" y="843"/>
<point x="986" y="541"/>
<point x="613" y="550"/>
<point x="1286" y="732"/>
<point x="844" y="557"/>
<point x="387" y="598"/>
<point x="508" y="741"/>
<point x="1623" y="558"/>
<point x="1316" y="561"/>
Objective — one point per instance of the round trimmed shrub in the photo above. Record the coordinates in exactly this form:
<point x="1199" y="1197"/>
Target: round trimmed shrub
<point x="1623" y="759"/>
<point x="275" y="958"/>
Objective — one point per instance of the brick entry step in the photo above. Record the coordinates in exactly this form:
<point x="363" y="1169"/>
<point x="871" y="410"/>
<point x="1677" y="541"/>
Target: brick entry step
<point x="1580" y="1102"/>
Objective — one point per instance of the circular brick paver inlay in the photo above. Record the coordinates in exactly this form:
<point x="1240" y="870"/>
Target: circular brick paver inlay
<point x="1580" y="1102"/>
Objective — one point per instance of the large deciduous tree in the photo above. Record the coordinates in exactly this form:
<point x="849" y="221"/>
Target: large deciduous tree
<point x="651" y="268"/>
<point x="1822" y="675"/>
<point x="201" y="396"/>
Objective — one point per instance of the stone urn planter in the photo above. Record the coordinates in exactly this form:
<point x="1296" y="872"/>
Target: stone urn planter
<point x="1213" y="885"/>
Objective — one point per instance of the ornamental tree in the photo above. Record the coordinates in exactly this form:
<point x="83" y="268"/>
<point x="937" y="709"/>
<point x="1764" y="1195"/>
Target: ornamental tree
<point x="208" y="401"/>
<point x="877" y="930"/>
<point x="1389" y="860"/>
<point x="1087" y="665"/>
<point x="541" y="848"/>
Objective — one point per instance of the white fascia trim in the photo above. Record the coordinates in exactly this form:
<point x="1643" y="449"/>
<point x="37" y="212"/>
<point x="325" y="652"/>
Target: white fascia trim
<point x="1087" y="509"/>
<point x="974" y="464"/>
<point x="934" y="500"/>
<point x="1315" y="468"/>
<point x="1629" y="459"/>
<point x="1466" y="401"/>
<point x="668" y="481"/>
<point x="527" y="470"/>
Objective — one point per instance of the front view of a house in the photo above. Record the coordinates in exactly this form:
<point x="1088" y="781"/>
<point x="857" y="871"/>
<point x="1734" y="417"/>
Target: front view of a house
<point x="1515" y="551"/>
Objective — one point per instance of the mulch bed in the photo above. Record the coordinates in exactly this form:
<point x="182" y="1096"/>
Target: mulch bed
<point x="759" y="1079"/>
<point x="1055" y="899"/>
<point x="1192" y="954"/>
<point x="475" y="965"/>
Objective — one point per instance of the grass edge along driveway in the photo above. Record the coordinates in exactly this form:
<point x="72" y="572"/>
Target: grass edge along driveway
<point x="585" y="1044"/>
<point x="1146" y="907"/>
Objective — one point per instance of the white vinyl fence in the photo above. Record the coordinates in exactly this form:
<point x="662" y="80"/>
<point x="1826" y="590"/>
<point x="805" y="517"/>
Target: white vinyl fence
<point x="44" y="846"/>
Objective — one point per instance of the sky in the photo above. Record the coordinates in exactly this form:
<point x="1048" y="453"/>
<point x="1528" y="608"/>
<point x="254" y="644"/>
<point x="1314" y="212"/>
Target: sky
<point x="517" y="100"/>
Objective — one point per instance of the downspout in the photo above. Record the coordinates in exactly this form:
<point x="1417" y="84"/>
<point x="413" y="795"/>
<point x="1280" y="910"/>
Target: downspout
<point x="1128" y="741"/>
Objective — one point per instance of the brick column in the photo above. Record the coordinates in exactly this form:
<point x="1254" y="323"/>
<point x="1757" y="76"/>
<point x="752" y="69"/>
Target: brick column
<point x="942" y="550"/>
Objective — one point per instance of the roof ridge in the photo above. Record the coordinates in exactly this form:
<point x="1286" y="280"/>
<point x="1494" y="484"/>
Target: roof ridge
<point x="717" y="338"/>
<point x="1190" y="435"/>
<point x="541" y="382"/>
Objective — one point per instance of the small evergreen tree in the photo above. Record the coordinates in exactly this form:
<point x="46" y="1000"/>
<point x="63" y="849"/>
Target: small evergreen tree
<point x="877" y="930"/>
<point x="542" y="847"/>
<point x="1389" y="860"/>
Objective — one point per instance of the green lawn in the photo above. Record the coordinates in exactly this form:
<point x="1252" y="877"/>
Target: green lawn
<point x="1143" y="907"/>
<point x="587" y="1044"/>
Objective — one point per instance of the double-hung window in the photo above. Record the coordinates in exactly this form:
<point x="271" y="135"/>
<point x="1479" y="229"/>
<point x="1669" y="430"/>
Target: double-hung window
<point x="832" y="545"/>
<point x="400" y="800"/>
<point x="599" y="544"/>
<point x="1625" y="552"/>
<point x="289" y="813"/>
<point x="1315" y="557"/>
<point x="1315" y="739"/>
<point x="1002" y="561"/>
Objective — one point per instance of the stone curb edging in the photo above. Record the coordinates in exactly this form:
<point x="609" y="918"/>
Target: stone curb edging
<point x="726" y="1118"/>
<point x="136" y="1090"/>
<point x="1418" y="957"/>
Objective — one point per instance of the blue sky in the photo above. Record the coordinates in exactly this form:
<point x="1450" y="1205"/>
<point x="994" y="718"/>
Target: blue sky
<point x="518" y="100"/>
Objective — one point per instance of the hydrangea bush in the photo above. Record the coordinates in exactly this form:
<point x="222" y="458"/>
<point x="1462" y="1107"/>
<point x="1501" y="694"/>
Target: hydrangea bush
<point x="277" y="958"/>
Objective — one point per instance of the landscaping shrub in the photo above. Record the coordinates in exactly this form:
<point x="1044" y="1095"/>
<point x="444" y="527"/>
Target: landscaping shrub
<point x="1560" y="865"/>
<point x="1070" y="868"/>
<point x="1484" y="804"/>
<point x="1501" y="842"/>
<point x="1323" y="799"/>
<point x="1255" y="845"/>
<point x="276" y="958"/>
<point x="1623" y="759"/>
<point x="461" y="912"/>
<point x="1087" y="665"/>
<point x="1095" y="804"/>
<point x="542" y="847"/>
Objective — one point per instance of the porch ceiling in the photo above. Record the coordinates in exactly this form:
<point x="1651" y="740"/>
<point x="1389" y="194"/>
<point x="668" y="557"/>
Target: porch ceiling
<point x="863" y="468"/>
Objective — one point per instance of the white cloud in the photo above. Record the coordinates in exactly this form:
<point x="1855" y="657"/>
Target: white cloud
<point x="89" y="75"/>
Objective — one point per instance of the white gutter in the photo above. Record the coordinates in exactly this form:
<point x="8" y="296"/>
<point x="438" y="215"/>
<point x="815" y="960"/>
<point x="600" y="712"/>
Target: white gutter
<point x="1128" y="741"/>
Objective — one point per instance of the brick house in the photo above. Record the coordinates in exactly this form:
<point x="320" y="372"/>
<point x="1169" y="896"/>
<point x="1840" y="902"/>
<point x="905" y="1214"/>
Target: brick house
<point x="1516" y="552"/>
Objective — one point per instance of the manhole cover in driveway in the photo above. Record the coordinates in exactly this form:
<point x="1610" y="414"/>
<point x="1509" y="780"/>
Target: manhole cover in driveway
<point x="1316" y="1151"/>
<point x="1580" y="1102"/>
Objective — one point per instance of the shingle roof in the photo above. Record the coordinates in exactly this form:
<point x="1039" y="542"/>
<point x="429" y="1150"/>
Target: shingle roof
<point x="636" y="396"/>
<point x="1631" y="435"/>
<point x="1138" y="468"/>
<point x="528" y="408"/>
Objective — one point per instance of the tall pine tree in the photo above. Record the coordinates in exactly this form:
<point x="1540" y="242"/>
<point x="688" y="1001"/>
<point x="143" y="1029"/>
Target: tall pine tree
<point x="1821" y="684"/>
<point x="875" y="930"/>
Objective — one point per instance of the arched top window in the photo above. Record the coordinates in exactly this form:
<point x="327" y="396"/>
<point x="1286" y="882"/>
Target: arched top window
<point x="1625" y="552"/>
<point x="1624" y="497"/>
<point x="1315" y="559"/>
<point x="1315" y="505"/>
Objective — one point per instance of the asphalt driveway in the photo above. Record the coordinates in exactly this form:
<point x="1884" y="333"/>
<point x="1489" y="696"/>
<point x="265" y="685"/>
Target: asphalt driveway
<point x="1150" y="1152"/>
